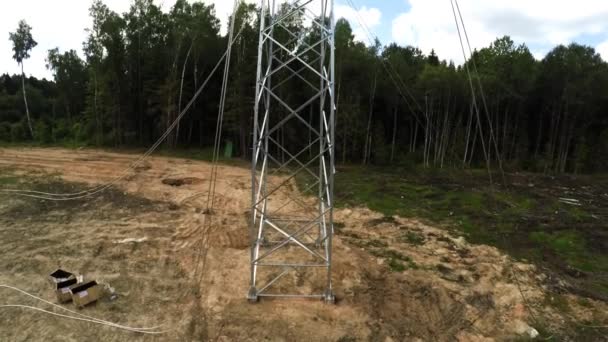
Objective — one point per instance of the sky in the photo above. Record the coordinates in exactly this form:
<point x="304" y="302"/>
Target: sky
<point x="427" y="24"/>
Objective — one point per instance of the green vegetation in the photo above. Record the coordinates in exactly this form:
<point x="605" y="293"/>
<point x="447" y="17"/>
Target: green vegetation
<point x="114" y="97"/>
<point x="396" y="266"/>
<point x="527" y="221"/>
<point x="413" y="238"/>
<point x="8" y="180"/>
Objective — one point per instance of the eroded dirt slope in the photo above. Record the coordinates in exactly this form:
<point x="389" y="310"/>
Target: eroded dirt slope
<point x="396" y="279"/>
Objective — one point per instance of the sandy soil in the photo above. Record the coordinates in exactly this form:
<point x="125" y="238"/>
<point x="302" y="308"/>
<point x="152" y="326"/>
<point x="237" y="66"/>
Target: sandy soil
<point x="447" y="289"/>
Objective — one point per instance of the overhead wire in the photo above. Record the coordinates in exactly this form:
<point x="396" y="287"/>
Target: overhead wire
<point x="91" y="192"/>
<point x="473" y="92"/>
<point x="98" y="189"/>
<point x="29" y="307"/>
<point x="401" y="87"/>
<point x="396" y="78"/>
<point x="480" y="84"/>
<point x="203" y="242"/>
<point x="390" y="70"/>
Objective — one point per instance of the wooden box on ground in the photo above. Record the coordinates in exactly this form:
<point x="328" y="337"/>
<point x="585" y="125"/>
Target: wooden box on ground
<point x="60" y="276"/>
<point x="86" y="293"/>
<point x="64" y="290"/>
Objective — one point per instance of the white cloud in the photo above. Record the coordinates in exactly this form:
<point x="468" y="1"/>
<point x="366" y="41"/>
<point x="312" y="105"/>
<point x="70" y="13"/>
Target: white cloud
<point x="429" y="24"/>
<point x="61" y="23"/>
<point x="371" y="17"/>
<point x="602" y="49"/>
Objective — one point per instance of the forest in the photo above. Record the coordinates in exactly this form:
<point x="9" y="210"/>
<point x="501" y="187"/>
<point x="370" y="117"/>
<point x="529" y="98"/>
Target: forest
<point x="395" y="105"/>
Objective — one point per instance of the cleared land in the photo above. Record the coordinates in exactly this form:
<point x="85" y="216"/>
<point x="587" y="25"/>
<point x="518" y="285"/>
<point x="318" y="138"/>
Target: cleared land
<point x="396" y="278"/>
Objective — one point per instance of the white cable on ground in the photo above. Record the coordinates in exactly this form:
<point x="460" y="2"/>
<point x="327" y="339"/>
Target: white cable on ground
<point x="77" y="313"/>
<point x="81" y="319"/>
<point x="125" y="173"/>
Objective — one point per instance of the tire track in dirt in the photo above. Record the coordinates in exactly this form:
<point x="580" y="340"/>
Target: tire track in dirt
<point x="449" y="290"/>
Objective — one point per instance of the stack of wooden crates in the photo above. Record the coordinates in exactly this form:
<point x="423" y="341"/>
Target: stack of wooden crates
<point x="68" y="288"/>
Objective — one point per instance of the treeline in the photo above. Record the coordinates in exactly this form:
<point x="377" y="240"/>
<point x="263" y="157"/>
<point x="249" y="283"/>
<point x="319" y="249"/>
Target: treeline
<point x="395" y="104"/>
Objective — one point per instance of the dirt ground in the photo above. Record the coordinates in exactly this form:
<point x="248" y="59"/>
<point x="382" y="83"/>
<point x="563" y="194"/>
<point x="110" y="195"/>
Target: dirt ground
<point x="395" y="279"/>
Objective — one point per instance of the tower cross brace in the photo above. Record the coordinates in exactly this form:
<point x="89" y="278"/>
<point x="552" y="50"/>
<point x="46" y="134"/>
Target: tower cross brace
<point x="293" y="148"/>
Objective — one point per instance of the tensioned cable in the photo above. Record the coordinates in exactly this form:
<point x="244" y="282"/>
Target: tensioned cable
<point x="125" y="173"/>
<point x="389" y="64"/>
<point x="482" y="92"/>
<point x="221" y="110"/>
<point x="392" y="73"/>
<point x="83" y="316"/>
<point x="386" y="63"/>
<point x="203" y="242"/>
<point x="473" y="93"/>
<point x="90" y="319"/>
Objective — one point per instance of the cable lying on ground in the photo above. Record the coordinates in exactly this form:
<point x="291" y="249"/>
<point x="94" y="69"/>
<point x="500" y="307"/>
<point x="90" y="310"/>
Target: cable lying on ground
<point x="82" y="317"/>
<point x="125" y="173"/>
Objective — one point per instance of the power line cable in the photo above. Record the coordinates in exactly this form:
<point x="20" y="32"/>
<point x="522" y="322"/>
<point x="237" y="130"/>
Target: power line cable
<point x="203" y="242"/>
<point x="125" y="173"/>
<point x="473" y="93"/>
<point x="90" y="318"/>
<point x="388" y="67"/>
<point x="481" y="90"/>
<point x="395" y="77"/>
<point x="81" y="319"/>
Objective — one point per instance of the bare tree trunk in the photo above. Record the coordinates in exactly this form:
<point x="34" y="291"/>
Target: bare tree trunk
<point x="567" y="150"/>
<point x="468" y="136"/>
<point x="368" y="136"/>
<point x="437" y="138"/>
<point x="555" y="125"/>
<point x="539" y="135"/>
<point x="513" y="151"/>
<point x="394" y="135"/>
<point x="477" y="135"/>
<point x="505" y="132"/>
<point x="445" y="135"/>
<point x="344" y="146"/>
<point x="310" y="132"/>
<point x="427" y="142"/>
<point x="27" y="110"/>
<point x="416" y="126"/>
<point x="181" y="91"/>
<point x="411" y="136"/>
<point x="95" y="112"/>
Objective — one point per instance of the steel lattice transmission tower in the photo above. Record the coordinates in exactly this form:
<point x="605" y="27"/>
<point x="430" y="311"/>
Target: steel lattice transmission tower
<point x="293" y="146"/>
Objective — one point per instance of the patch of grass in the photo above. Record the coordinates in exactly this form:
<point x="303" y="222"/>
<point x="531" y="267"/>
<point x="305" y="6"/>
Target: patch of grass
<point x="205" y="154"/>
<point x="576" y="213"/>
<point x="558" y="302"/>
<point x="8" y="180"/>
<point x="339" y="225"/>
<point x="376" y="243"/>
<point x="397" y="261"/>
<point x="396" y="265"/>
<point x="347" y="339"/>
<point x="385" y="219"/>
<point x="570" y="245"/>
<point x="414" y="238"/>
<point x="528" y="222"/>
<point x="584" y="302"/>
<point x="40" y="209"/>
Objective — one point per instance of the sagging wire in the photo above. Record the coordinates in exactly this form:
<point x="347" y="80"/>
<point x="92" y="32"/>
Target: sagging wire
<point x="124" y="174"/>
<point x="456" y="9"/>
<point x="82" y="317"/>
